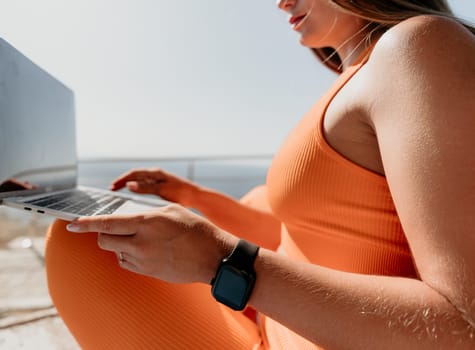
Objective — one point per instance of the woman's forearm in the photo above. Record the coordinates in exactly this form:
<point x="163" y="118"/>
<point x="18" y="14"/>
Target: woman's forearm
<point x="252" y="224"/>
<point x="340" y="310"/>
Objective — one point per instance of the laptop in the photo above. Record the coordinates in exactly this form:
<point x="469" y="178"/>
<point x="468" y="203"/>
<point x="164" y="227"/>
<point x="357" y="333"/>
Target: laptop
<point x="38" y="159"/>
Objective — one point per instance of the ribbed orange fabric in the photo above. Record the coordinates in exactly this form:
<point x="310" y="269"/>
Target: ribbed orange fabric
<point x="106" y="307"/>
<point x="335" y="213"/>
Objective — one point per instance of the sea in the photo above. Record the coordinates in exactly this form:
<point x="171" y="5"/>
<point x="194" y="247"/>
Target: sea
<point x="234" y="177"/>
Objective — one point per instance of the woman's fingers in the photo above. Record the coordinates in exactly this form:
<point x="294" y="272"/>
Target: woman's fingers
<point x="116" y="244"/>
<point x="127" y="265"/>
<point x="111" y="224"/>
<point x="128" y="262"/>
<point x="122" y="180"/>
<point x="138" y="175"/>
<point x="125" y="256"/>
<point x="147" y="186"/>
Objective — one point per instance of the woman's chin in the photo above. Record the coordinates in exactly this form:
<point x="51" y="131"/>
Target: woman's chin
<point x="303" y="42"/>
<point x="307" y="42"/>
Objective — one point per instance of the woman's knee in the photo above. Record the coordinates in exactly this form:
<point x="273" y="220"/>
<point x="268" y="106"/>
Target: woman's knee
<point x="70" y="258"/>
<point x="256" y="198"/>
<point x="62" y="245"/>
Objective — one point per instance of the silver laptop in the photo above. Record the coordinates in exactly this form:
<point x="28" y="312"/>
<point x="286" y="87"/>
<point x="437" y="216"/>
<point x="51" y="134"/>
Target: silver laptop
<point x="38" y="161"/>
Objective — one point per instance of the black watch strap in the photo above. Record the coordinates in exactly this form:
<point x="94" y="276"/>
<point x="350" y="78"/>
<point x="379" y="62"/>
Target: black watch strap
<point x="235" y="277"/>
<point x="243" y="255"/>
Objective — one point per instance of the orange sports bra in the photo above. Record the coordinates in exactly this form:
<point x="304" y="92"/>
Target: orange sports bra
<point x="335" y="213"/>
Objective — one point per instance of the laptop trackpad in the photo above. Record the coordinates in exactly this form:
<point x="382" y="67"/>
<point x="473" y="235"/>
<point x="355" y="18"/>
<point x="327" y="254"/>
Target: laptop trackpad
<point x="131" y="207"/>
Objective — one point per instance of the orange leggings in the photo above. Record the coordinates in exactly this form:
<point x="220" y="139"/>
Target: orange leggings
<point x="107" y="307"/>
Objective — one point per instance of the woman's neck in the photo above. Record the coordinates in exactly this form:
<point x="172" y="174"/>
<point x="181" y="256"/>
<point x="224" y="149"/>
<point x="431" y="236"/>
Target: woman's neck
<point x="353" y="48"/>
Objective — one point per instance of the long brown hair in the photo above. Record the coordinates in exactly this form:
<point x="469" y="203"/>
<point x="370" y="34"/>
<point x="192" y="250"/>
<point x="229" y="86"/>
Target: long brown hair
<point x="382" y="15"/>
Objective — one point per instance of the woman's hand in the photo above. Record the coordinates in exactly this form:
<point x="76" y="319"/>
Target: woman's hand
<point x="170" y="243"/>
<point x="158" y="182"/>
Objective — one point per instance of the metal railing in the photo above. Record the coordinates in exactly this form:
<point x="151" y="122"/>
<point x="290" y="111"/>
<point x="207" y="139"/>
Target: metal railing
<point x="234" y="174"/>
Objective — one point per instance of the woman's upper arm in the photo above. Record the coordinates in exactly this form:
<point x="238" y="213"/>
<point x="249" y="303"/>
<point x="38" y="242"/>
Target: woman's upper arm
<point x="423" y="112"/>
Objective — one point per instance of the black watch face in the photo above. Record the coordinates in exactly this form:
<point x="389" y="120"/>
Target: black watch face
<point x="232" y="287"/>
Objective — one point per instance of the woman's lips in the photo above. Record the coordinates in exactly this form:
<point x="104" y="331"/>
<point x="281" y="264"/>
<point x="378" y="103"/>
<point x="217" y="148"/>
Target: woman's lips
<point x="295" y="20"/>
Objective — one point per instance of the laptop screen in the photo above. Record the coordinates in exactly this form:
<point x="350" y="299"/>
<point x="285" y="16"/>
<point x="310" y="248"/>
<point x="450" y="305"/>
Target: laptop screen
<point x="37" y="128"/>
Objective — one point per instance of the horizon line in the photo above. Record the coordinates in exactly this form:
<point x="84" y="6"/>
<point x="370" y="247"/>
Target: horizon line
<point x="177" y="158"/>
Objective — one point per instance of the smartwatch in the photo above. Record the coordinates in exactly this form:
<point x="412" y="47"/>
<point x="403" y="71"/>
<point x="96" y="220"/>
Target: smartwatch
<point x="235" y="277"/>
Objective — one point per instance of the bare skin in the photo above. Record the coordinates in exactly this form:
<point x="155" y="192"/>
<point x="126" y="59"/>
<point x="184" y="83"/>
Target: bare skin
<point x="409" y="114"/>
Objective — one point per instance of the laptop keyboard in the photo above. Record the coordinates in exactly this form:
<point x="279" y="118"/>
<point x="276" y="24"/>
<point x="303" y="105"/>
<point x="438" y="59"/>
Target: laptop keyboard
<point x="80" y="202"/>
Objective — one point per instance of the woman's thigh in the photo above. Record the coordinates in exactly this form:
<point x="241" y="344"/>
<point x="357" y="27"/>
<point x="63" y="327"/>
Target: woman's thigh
<point x="106" y="307"/>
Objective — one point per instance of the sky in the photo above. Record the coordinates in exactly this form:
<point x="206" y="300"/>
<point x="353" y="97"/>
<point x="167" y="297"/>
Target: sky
<point x="182" y="78"/>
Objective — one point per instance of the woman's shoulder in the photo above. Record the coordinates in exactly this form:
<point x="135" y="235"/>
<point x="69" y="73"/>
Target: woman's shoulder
<point x="425" y="39"/>
<point x="422" y="60"/>
<point x="429" y="50"/>
<point x="430" y="24"/>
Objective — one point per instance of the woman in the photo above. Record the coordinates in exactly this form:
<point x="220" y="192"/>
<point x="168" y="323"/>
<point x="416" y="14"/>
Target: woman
<point x="374" y="190"/>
